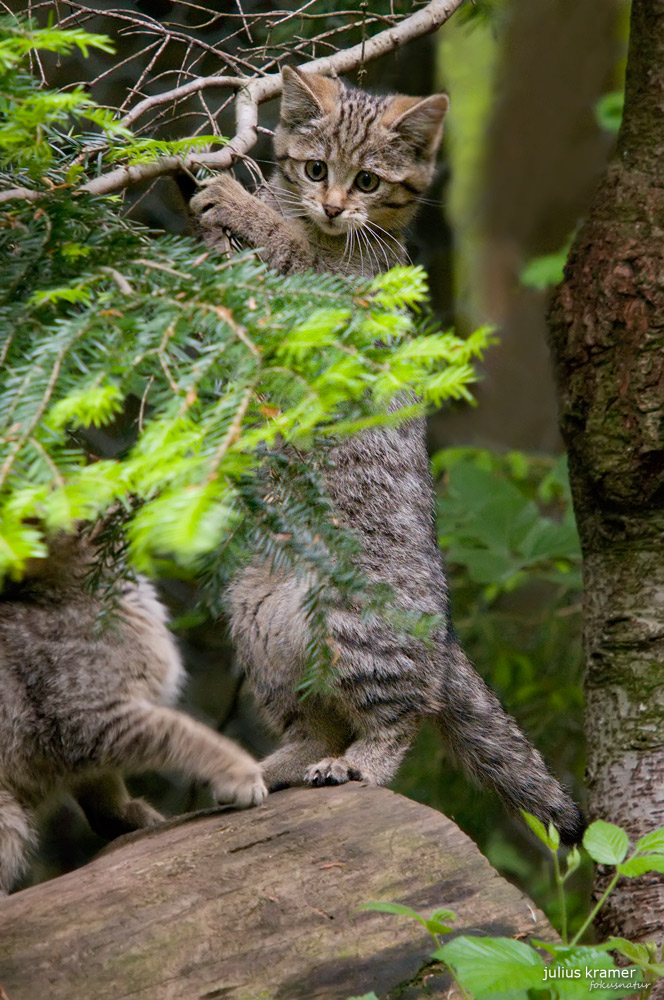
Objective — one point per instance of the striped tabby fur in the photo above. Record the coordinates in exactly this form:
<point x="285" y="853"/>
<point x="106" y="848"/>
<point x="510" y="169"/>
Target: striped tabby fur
<point x="80" y="707"/>
<point x="331" y="143"/>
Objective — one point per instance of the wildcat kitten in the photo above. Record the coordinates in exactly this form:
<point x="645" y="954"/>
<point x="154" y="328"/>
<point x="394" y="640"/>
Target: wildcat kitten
<point x="350" y="169"/>
<point x="80" y="706"/>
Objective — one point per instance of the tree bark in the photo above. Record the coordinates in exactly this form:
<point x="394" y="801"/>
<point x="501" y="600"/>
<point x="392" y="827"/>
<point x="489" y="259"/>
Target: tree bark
<point x="607" y="341"/>
<point x="260" y="905"/>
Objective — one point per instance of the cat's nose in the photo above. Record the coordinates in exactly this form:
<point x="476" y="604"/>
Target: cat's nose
<point x="332" y="211"/>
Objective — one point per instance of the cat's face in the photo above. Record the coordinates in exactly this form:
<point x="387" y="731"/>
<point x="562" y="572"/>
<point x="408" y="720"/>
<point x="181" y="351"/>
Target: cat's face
<point x="353" y="161"/>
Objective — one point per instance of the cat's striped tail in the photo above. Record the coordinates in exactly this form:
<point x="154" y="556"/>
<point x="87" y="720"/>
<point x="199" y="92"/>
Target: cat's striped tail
<point x="492" y="749"/>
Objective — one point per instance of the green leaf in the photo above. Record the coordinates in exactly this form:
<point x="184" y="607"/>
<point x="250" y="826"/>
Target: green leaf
<point x="437" y="927"/>
<point x="540" y="831"/>
<point x="573" y="861"/>
<point x="380" y="907"/>
<point x="606" y="843"/>
<point x="91" y="407"/>
<point x="653" y="841"/>
<point x="542" y="272"/>
<point x="400" y="287"/>
<point x="490" y="966"/>
<point x="642" y="864"/>
<point x="638" y="953"/>
<point x="609" y="110"/>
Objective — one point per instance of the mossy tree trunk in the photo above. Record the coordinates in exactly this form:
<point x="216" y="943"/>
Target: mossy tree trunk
<point x="607" y="340"/>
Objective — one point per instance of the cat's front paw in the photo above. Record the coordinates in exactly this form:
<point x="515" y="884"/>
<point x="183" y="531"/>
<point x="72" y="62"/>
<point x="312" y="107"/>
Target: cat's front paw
<point x="219" y="212"/>
<point x="217" y="199"/>
<point x="331" y="771"/>
<point x="241" y="790"/>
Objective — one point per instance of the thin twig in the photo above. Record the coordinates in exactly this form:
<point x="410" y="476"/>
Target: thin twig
<point x="223" y="313"/>
<point x="258" y="86"/>
<point x="257" y="90"/>
<point x="25" y="194"/>
<point x="44" y="455"/>
<point x="119" y="280"/>
<point x="144" y="399"/>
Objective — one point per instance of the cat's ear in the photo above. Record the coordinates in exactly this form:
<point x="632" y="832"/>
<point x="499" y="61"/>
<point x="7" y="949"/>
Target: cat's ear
<point x="418" y="120"/>
<point x="306" y="96"/>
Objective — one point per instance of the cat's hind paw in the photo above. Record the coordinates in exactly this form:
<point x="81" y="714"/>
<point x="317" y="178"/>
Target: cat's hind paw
<point x="331" y="771"/>
<point x="140" y="815"/>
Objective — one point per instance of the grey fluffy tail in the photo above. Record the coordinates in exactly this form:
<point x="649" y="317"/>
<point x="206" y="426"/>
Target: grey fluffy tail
<point x="490" y="746"/>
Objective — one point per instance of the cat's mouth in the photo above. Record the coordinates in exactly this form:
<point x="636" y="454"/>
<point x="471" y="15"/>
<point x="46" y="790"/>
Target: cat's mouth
<point x="333" y="227"/>
<point x="338" y="226"/>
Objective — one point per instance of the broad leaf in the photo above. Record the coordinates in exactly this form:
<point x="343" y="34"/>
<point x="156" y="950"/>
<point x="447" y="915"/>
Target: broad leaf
<point x="606" y="843"/>
<point x="651" y="841"/>
<point x="642" y="864"/>
<point x="490" y="966"/>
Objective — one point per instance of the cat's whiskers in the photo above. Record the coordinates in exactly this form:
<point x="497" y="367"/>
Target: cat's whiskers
<point x="358" y="233"/>
<point x="371" y="253"/>
<point x="348" y="249"/>
<point x="374" y="226"/>
<point x="284" y="195"/>
<point x="382" y="246"/>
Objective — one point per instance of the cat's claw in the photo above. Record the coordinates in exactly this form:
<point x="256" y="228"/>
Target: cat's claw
<point x="331" y="771"/>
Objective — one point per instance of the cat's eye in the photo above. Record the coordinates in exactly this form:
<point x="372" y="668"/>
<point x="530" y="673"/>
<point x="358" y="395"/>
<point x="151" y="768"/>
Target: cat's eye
<point x="366" y="181"/>
<point x="316" y="170"/>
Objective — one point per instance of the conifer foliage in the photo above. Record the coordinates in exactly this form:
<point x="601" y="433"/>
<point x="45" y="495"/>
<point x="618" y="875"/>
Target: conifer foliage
<point x="217" y="378"/>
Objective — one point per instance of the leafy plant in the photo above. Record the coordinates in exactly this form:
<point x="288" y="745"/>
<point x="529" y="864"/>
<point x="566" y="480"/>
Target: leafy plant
<point x="486" y="967"/>
<point x="506" y="519"/>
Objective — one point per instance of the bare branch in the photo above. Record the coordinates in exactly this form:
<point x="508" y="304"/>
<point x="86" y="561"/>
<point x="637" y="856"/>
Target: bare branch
<point x="251" y="91"/>
<point x="192" y="87"/>
<point x="254" y="91"/>
<point x="26" y="194"/>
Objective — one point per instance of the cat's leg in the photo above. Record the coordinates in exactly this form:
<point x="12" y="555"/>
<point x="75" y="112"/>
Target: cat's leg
<point x="17" y="836"/>
<point x="223" y="205"/>
<point x="288" y="765"/>
<point x="374" y="758"/>
<point x="152" y="737"/>
<point x="109" y="808"/>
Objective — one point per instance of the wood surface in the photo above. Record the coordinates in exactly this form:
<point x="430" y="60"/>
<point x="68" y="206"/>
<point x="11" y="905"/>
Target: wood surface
<point x="259" y="905"/>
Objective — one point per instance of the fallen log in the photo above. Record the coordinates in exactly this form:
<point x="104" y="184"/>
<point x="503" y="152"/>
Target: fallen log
<point x="259" y="905"/>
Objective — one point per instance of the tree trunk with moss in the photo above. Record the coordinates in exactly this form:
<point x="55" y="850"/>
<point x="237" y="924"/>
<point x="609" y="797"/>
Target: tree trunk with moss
<point x="607" y="340"/>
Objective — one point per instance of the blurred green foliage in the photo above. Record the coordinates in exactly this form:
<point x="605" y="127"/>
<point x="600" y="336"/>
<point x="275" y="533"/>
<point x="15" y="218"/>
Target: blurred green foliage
<point x="542" y="272"/>
<point x="609" y="110"/>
